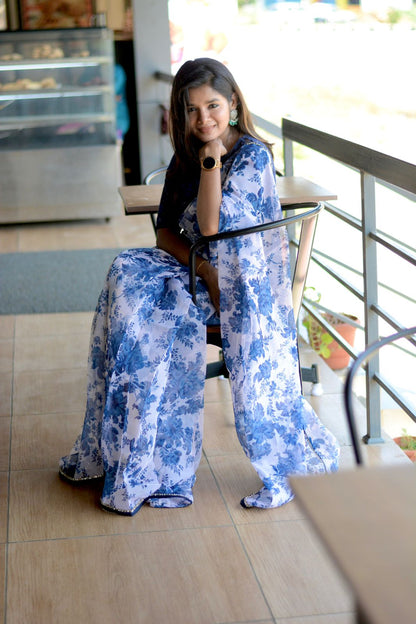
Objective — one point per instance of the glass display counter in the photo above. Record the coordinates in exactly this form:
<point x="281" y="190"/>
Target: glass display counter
<point x="58" y="146"/>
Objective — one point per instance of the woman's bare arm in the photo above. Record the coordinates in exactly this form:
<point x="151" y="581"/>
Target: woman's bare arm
<point x="179" y="249"/>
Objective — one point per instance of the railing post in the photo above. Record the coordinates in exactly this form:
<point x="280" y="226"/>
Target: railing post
<point x="288" y="156"/>
<point x="288" y="169"/>
<point x="370" y="275"/>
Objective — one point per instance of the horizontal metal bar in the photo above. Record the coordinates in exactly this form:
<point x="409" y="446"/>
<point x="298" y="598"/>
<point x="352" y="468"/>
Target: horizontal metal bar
<point x="330" y="329"/>
<point x="388" y="168"/>
<point x="163" y="77"/>
<point x="358" y="293"/>
<point x="344" y="216"/>
<point x="398" y="190"/>
<point x="394" y="247"/>
<point x="398" y="398"/>
<point x="320" y="253"/>
<point x="341" y="317"/>
<point x="391" y="321"/>
<point x="268" y="126"/>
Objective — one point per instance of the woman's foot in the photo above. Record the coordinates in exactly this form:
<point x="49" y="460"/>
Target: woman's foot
<point x="268" y="499"/>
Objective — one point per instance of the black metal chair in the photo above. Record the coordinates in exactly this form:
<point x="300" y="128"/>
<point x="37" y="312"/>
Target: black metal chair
<point x="305" y="213"/>
<point x="348" y="388"/>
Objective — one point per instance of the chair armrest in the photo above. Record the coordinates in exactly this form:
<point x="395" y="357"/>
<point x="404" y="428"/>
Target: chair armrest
<point x="314" y="208"/>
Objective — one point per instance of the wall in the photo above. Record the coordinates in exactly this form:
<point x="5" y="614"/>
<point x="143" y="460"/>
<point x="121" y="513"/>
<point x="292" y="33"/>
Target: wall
<point x="152" y="53"/>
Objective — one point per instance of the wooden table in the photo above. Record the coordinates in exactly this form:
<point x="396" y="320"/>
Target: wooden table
<point x="144" y="199"/>
<point x="367" y="519"/>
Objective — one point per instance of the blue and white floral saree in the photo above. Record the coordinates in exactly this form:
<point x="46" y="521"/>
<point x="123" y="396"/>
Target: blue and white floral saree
<point x="144" y="415"/>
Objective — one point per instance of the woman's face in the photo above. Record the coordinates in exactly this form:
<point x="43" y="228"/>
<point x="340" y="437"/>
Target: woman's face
<point x="209" y="114"/>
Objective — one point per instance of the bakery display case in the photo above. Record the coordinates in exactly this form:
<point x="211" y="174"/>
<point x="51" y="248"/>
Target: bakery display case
<point x="58" y="146"/>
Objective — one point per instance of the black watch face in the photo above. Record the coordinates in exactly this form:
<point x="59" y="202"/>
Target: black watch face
<point x="209" y="162"/>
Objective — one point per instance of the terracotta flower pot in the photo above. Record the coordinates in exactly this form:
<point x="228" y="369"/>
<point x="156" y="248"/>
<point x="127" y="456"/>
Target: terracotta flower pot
<point x="334" y="355"/>
<point x="339" y="358"/>
<point x="401" y="441"/>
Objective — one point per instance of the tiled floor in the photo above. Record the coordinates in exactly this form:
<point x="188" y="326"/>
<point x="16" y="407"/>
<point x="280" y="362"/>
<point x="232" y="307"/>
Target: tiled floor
<point x="63" y="560"/>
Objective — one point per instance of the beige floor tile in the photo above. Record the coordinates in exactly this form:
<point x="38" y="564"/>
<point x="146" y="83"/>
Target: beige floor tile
<point x="7" y="324"/>
<point x="217" y="390"/>
<point x="387" y="453"/>
<point x="49" y="392"/>
<point x="4" y="442"/>
<point x="39" y="440"/>
<point x="332" y="618"/>
<point x="6" y="356"/>
<point x="9" y="236"/>
<point x="220" y="437"/>
<point x="75" y="235"/>
<point x="6" y="386"/>
<point x="51" y="352"/>
<point x="2" y="580"/>
<point x="237" y="478"/>
<point x="330" y="408"/>
<point x="42" y="506"/>
<point x="378" y="454"/>
<point x="200" y="576"/>
<point x="4" y="506"/>
<point x="134" y="231"/>
<point x="30" y="325"/>
<point x="296" y="575"/>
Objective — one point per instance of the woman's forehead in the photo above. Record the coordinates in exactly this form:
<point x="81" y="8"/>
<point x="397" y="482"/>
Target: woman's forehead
<point x="203" y="94"/>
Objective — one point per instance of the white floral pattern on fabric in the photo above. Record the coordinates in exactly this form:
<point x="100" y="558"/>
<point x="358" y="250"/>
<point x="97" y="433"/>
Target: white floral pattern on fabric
<point x="144" y="414"/>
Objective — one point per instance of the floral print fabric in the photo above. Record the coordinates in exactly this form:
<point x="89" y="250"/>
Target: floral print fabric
<point x="144" y="414"/>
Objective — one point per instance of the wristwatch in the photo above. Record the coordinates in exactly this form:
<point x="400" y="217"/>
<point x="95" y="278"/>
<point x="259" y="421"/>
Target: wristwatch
<point x="209" y="163"/>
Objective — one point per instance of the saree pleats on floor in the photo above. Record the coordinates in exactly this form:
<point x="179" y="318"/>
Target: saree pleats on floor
<point x="143" y="424"/>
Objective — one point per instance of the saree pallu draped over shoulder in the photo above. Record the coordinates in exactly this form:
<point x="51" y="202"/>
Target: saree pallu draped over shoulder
<point x="144" y="416"/>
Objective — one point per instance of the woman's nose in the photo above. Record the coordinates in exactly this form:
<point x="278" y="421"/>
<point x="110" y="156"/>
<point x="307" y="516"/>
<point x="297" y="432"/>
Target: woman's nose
<point x="203" y="116"/>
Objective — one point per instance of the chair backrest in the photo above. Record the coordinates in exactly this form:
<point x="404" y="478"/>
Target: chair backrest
<point x="308" y="216"/>
<point x="153" y="174"/>
<point x="348" y="388"/>
<point x="148" y="180"/>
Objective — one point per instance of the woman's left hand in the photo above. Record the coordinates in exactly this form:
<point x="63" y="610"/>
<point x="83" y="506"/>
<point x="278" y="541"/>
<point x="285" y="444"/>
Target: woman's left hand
<point x="210" y="276"/>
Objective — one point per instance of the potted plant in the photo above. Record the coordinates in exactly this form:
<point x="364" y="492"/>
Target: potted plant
<point x="407" y="443"/>
<point x="322" y="342"/>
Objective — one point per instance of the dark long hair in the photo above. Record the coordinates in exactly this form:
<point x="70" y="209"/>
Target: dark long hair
<point x="194" y="74"/>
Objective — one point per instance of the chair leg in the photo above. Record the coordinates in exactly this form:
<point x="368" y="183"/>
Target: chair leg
<point x="153" y="220"/>
<point x="217" y="369"/>
<point x="312" y="374"/>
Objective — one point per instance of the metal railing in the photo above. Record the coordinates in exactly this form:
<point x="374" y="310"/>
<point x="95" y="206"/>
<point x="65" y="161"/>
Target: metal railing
<point x="374" y="168"/>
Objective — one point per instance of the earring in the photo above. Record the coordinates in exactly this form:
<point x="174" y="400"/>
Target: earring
<point x="233" y="117"/>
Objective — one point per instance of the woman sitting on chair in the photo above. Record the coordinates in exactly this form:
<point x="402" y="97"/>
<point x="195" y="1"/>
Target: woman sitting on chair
<point x="143" y="424"/>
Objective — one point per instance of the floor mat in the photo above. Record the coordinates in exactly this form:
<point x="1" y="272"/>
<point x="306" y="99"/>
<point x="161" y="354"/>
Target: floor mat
<point x="53" y="281"/>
